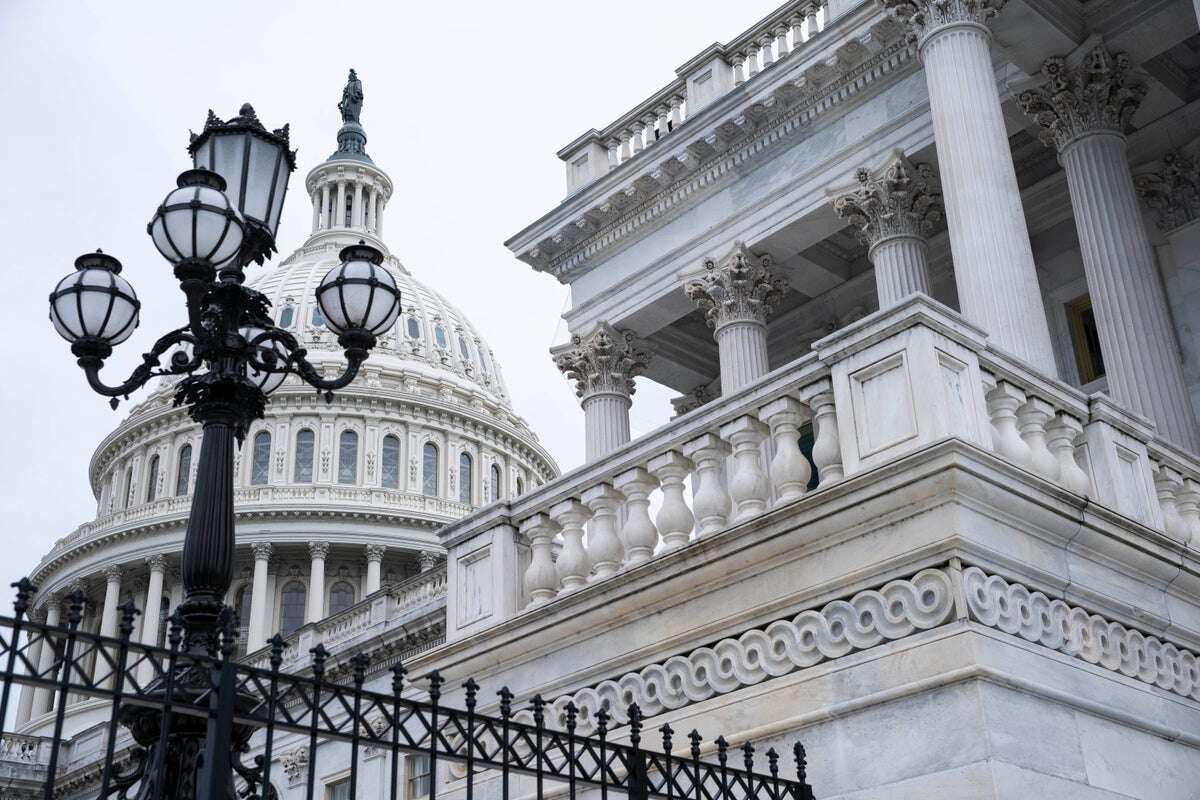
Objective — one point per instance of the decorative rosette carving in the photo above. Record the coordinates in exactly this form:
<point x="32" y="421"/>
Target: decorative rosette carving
<point x="738" y="288"/>
<point x="899" y="198"/>
<point x="1173" y="193"/>
<point x="604" y="361"/>
<point x="1100" y="93"/>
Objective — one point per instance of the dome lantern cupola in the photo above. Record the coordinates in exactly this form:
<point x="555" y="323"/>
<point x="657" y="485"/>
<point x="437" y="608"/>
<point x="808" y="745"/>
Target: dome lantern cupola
<point x="348" y="192"/>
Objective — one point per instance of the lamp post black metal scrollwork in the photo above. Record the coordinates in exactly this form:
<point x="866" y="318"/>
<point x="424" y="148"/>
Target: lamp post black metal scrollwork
<point x="223" y="216"/>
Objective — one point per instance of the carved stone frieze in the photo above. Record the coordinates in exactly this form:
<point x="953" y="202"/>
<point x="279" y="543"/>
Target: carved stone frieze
<point x="898" y="198"/>
<point x="604" y="361"/>
<point x="1173" y="193"/>
<point x="1099" y="92"/>
<point x="1031" y="615"/>
<point x="926" y="17"/>
<point x="869" y="618"/>
<point x="739" y="287"/>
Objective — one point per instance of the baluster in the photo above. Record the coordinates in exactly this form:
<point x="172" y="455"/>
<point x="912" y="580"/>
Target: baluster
<point x="796" y="22"/>
<point x="1002" y="403"/>
<point x="752" y="60"/>
<point x="639" y="534"/>
<point x="626" y="144"/>
<point x="739" y="69"/>
<point x="827" y="449"/>
<point x="604" y="546"/>
<point x="664" y="115"/>
<point x="639" y="142"/>
<point x="676" y="111"/>
<point x="648" y="120"/>
<point x="1188" y="502"/>
<point x="709" y="498"/>
<point x="748" y="483"/>
<point x="1061" y="435"/>
<point x="1166" y="484"/>
<point x="781" y="42"/>
<point x="573" y="564"/>
<point x="614" y="152"/>
<point x="810" y="19"/>
<point x="766" y="41"/>
<point x="674" y="520"/>
<point x="790" y="472"/>
<point x="1031" y="420"/>
<point x="541" y="577"/>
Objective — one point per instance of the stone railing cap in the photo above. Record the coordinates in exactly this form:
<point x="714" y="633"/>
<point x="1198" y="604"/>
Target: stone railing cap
<point x="1102" y="409"/>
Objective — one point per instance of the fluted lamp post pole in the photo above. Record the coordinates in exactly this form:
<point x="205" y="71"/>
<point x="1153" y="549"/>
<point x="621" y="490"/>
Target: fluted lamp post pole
<point x="223" y="215"/>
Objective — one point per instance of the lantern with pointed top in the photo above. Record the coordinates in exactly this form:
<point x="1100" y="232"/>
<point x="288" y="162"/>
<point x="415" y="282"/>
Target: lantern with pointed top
<point x="256" y="164"/>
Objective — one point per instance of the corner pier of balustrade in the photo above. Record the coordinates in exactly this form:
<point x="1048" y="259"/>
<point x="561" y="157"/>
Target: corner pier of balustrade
<point x="879" y="391"/>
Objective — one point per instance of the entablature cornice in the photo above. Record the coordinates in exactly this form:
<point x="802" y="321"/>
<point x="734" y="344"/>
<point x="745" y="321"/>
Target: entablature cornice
<point x="864" y="47"/>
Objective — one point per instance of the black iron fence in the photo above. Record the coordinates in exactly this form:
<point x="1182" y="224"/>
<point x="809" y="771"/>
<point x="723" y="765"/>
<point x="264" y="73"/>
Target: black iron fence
<point x="193" y="721"/>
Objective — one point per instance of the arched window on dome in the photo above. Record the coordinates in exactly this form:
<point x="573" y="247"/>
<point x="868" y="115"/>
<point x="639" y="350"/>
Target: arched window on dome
<point x="389" y="462"/>
<point x="439" y="335"/>
<point x="260" y="465"/>
<point x="348" y="457"/>
<point x="341" y="597"/>
<point x="291" y="607"/>
<point x="127" y="500"/>
<point x="495" y="484"/>
<point x="285" y="316"/>
<point x="463" y="349"/>
<point x="429" y="470"/>
<point x="318" y="319"/>
<point x="414" y="328"/>
<point x="465" y="478"/>
<point x="152" y="479"/>
<point x="183" y="470"/>
<point x="349" y="208"/>
<point x="302" y="468"/>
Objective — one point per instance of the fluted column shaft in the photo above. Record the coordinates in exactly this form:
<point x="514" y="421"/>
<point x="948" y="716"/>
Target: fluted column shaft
<point x="112" y="596"/>
<point x="742" y="348"/>
<point x="901" y="268"/>
<point x="1141" y="355"/>
<point x="324" y="206"/>
<point x="25" y="703"/>
<point x="339" y="210"/>
<point x="605" y="423"/>
<point x="43" y="698"/>
<point x="256" y="634"/>
<point x="374" y="566"/>
<point x="153" y="605"/>
<point x="993" y="261"/>
<point x="357" y="213"/>
<point x="316" y="204"/>
<point x="316" y="581"/>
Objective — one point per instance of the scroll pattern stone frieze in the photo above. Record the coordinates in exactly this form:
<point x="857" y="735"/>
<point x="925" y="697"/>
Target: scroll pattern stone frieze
<point x="1014" y="609"/>
<point x="869" y="618"/>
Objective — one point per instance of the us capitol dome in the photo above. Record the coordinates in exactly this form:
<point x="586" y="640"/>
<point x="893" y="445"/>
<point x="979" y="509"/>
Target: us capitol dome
<point x="336" y="502"/>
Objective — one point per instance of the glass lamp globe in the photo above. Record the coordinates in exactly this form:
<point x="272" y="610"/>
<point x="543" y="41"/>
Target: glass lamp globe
<point x="256" y="164"/>
<point x="197" y="222"/>
<point x="94" y="303"/>
<point x="359" y="294"/>
<point x="266" y="380"/>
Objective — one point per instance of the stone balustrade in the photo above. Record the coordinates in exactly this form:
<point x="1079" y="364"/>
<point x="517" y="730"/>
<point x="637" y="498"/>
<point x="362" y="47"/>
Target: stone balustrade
<point x="709" y="75"/>
<point x="883" y="388"/>
<point x="370" y="618"/>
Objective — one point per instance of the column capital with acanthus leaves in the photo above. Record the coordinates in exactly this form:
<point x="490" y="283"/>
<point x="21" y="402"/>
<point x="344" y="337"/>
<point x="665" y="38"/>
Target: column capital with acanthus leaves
<point x="1089" y="91"/>
<point x="1173" y="192"/>
<point x="898" y="198"/>
<point x="924" y="18"/>
<point x="738" y="288"/>
<point x="603" y="361"/>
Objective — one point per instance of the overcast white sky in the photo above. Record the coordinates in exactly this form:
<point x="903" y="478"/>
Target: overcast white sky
<point x="466" y="104"/>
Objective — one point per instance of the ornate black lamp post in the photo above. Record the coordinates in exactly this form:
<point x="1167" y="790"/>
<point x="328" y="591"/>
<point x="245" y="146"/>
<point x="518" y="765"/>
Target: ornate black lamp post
<point x="223" y="215"/>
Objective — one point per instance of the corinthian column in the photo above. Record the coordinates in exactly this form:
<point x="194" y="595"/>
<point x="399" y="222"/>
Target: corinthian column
<point x="375" y="554"/>
<point x="894" y="208"/>
<point x="152" y="608"/>
<point x="256" y="634"/>
<point x="318" y="551"/>
<point x="1084" y="110"/>
<point x="736" y="294"/>
<point x="603" y="365"/>
<point x="993" y="262"/>
<point x="43" y="698"/>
